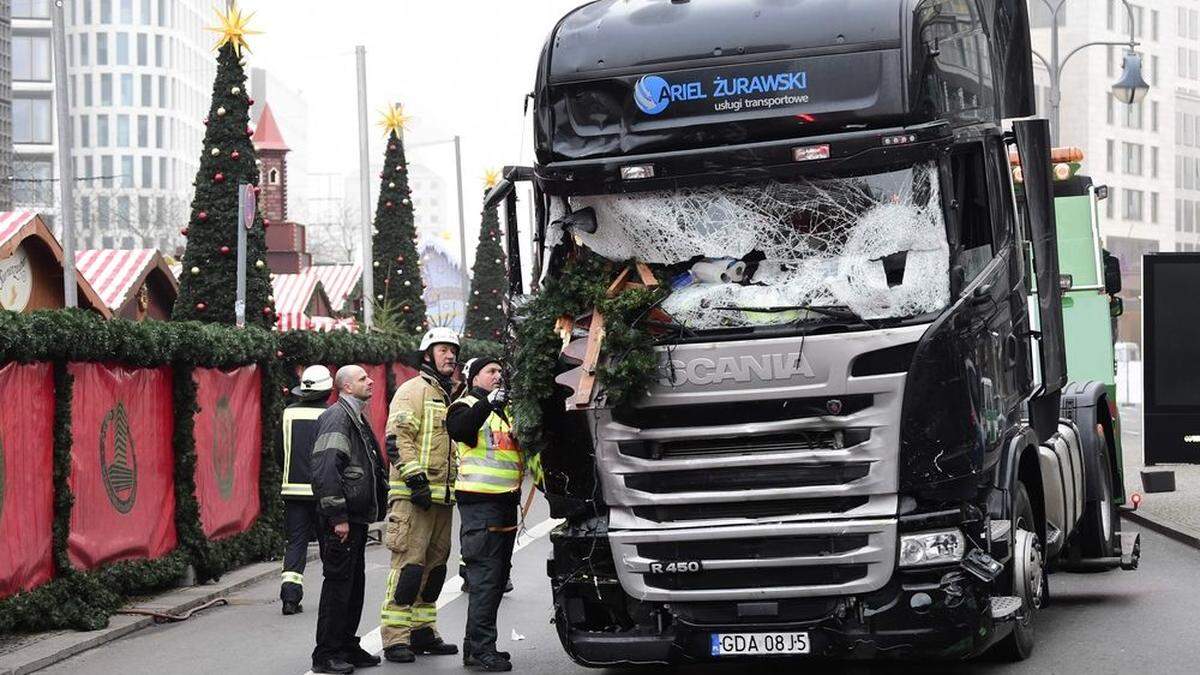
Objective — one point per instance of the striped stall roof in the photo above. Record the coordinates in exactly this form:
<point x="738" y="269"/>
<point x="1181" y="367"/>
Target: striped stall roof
<point x="11" y="222"/>
<point x="325" y="324"/>
<point x="114" y="273"/>
<point x="338" y="281"/>
<point x="292" y="295"/>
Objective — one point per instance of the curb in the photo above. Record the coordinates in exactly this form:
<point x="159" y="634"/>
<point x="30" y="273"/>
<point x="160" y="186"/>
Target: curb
<point x="60" y="647"/>
<point x="1167" y="528"/>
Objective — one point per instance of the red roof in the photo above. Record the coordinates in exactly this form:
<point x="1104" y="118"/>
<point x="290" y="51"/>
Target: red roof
<point x="266" y="132"/>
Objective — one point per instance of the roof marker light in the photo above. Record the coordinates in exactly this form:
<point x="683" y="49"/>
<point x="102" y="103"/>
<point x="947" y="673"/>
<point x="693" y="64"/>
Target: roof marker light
<point x="901" y="139"/>
<point x="811" y="152"/>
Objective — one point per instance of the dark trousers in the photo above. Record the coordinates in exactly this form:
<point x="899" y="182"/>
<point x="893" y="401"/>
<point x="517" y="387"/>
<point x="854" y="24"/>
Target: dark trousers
<point x="344" y="567"/>
<point x="300" y="523"/>
<point x="487" y="554"/>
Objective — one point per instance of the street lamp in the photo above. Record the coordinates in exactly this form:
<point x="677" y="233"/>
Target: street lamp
<point x="1131" y="88"/>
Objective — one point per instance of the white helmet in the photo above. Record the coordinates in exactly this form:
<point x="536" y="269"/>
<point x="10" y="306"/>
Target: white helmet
<point x="314" y="379"/>
<point x="439" y="335"/>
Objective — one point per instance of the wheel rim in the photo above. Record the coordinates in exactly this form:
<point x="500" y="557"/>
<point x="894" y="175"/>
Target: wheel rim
<point x="1029" y="576"/>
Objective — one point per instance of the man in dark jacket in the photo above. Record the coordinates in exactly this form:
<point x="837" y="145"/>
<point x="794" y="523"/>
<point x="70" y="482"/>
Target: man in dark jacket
<point x="294" y="441"/>
<point x="349" y="485"/>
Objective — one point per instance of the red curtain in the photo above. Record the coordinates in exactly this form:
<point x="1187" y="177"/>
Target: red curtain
<point x="122" y="464"/>
<point x="26" y="476"/>
<point x="228" y="436"/>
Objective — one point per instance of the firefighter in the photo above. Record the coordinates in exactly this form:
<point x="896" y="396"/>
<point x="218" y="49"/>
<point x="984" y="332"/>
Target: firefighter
<point x="421" y="500"/>
<point x="295" y="440"/>
<point x="488" y="488"/>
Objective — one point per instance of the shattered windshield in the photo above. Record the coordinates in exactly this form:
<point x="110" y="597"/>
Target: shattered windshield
<point x="751" y="255"/>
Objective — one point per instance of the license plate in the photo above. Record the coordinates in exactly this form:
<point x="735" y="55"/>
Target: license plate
<point x="759" y="644"/>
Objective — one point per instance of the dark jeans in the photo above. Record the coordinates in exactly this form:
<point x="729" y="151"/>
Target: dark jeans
<point x="344" y="566"/>
<point x="487" y="555"/>
<point x="300" y="523"/>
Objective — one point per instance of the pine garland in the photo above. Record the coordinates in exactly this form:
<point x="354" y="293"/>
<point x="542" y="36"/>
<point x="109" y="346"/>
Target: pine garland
<point x="628" y="364"/>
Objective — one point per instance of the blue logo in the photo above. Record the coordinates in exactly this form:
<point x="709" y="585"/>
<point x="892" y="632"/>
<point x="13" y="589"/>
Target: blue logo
<point x="652" y="94"/>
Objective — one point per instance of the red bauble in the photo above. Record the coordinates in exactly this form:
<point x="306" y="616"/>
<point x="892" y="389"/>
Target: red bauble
<point x="249" y="131"/>
<point x="278" y="354"/>
<point x="249" y="101"/>
<point x="183" y="231"/>
<point x="225" y="250"/>
<point x="266" y="223"/>
<point x="266" y="311"/>
<point x="381" y="174"/>
<point x="218" y="177"/>
<point x="200" y="306"/>
<point x="391" y="146"/>
<point x="235" y="155"/>
<point x="205" y="121"/>
<point x="202" y="216"/>
<point x="257" y="189"/>
<point x="389" y="205"/>
<point x="399" y="258"/>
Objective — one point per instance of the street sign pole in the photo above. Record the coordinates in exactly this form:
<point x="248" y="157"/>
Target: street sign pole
<point x="247" y="207"/>
<point x="66" y="170"/>
<point x="364" y="164"/>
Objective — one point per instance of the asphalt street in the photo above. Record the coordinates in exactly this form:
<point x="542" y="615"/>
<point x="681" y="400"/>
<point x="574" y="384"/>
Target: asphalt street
<point x="1114" y="622"/>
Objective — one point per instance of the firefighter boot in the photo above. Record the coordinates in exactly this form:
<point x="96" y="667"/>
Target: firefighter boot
<point x="399" y="654"/>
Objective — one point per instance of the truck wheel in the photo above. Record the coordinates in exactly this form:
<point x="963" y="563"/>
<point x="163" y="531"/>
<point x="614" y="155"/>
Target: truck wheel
<point x="1097" y="528"/>
<point x="1028" y="578"/>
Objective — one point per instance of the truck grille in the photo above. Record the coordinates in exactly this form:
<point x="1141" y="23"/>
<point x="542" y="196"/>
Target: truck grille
<point x="796" y="441"/>
<point x="740" y="412"/>
<point x="831" y="575"/>
<point x="749" y="478"/>
<point x="742" y="509"/>
<point x="753" y="549"/>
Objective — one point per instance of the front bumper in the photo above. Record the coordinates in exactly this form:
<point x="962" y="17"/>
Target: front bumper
<point x="955" y="625"/>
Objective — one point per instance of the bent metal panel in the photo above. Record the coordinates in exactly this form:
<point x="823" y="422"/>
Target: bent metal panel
<point x="26" y="476"/>
<point x="122" y="464"/>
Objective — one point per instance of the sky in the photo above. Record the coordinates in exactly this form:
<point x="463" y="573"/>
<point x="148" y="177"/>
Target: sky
<point x="459" y="67"/>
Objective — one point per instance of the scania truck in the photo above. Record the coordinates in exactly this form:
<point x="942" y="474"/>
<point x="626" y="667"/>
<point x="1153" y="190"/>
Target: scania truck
<point x="863" y="440"/>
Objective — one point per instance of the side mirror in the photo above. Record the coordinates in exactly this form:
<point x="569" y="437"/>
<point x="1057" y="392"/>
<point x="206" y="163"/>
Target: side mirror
<point x="1112" y="274"/>
<point x="583" y="220"/>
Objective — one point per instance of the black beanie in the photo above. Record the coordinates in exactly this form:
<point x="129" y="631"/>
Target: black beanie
<point x="476" y="366"/>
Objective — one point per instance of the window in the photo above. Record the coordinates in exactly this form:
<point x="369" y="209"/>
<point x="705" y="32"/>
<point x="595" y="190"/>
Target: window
<point x="1154" y="116"/>
<point x="143" y="47"/>
<point x="1154" y="71"/>
<point x="1154" y="207"/>
<point x="127" y="171"/>
<point x="1154" y="24"/>
<point x="273" y="177"/>
<point x="1111" y="61"/>
<point x="1133" y="204"/>
<point x="106" y="89"/>
<point x="146" y="12"/>
<point x="158" y="131"/>
<point x="37" y="186"/>
<point x="1154" y="161"/>
<point x="143" y="131"/>
<point x="87" y="10"/>
<point x="122" y="131"/>
<point x="974" y="216"/>
<point x="1109" y="209"/>
<point x="31" y="9"/>
<point x="162" y="91"/>
<point x="1110" y="114"/>
<point x="147" y="91"/>
<point x="162" y="12"/>
<point x="126" y="11"/>
<point x="126" y="89"/>
<point x="122" y="49"/>
<point x="31" y="120"/>
<point x="158" y="51"/>
<point x="1110" y="155"/>
<point x="1132" y="153"/>
<point x="148" y="172"/>
<point x="1178" y="215"/>
<point x="85" y="132"/>
<point x="31" y="58"/>
<point x="162" y="173"/>
<point x="84" y="55"/>
<point x="106" y="171"/>
<point x="102" y="49"/>
<point x="105" y="11"/>
<point x="102" y="131"/>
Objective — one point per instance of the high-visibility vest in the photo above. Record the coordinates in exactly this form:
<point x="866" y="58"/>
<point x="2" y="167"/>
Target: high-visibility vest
<point x="495" y="464"/>
<point x="297" y="481"/>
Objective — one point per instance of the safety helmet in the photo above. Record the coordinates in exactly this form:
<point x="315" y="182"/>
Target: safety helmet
<point x="314" y="379"/>
<point x="439" y="335"/>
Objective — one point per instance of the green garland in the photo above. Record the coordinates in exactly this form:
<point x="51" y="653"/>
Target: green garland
<point x="628" y="363"/>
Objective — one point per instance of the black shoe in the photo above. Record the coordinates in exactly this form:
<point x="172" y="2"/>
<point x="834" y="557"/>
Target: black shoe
<point x="504" y="655"/>
<point x="334" y="665"/>
<point x="399" y="654"/>
<point x="489" y="662"/>
<point x="290" y="608"/>
<point x="360" y="658"/>
<point x="437" y="647"/>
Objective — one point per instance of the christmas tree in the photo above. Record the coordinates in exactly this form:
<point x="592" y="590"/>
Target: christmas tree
<point x="398" y="285"/>
<point x="208" y="288"/>
<point x="485" y="306"/>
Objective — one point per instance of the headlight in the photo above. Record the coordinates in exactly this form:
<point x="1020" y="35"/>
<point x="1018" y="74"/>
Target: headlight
<point x="931" y="548"/>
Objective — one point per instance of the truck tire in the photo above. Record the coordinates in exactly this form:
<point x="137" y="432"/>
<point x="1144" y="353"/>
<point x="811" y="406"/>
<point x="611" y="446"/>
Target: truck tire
<point x="1028" y="578"/>
<point x="1097" y="527"/>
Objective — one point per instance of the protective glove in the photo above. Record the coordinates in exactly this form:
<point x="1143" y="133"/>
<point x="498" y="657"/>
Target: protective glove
<point x="498" y="399"/>
<point x="418" y="485"/>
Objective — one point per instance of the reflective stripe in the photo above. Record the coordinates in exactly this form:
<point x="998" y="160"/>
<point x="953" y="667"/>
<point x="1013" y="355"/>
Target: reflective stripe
<point x="423" y="614"/>
<point x="398" y="490"/>
<point x="411" y="468"/>
<point x="400" y="619"/>
<point x="291" y="416"/>
<point x="494" y="464"/>
<point x="296" y="490"/>
<point x="293" y="578"/>
<point x="502" y="462"/>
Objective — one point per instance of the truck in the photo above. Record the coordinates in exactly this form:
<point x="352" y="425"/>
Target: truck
<point x="865" y="437"/>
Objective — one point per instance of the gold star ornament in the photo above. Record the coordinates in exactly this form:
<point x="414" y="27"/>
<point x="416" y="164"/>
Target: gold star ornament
<point x="394" y="120"/>
<point x="490" y="178"/>
<point x="233" y="29"/>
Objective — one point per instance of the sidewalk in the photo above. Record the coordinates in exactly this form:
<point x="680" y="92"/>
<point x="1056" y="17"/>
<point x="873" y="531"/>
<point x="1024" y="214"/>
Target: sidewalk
<point x="1175" y="514"/>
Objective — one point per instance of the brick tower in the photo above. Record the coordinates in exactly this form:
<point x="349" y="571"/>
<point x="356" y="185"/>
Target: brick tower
<point x="287" y="250"/>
